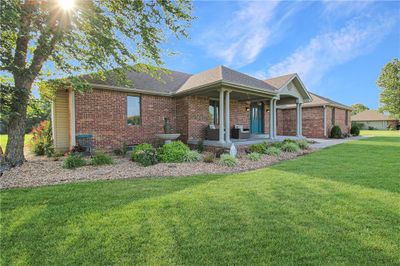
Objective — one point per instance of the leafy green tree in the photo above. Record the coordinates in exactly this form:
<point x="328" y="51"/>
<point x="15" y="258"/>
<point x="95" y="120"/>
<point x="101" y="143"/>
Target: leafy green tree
<point x="37" y="111"/>
<point x="389" y="82"/>
<point x="80" y="36"/>
<point x="358" y="108"/>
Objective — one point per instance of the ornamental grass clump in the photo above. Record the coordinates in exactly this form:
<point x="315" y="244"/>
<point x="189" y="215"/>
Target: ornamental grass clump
<point x="259" y="148"/>
<point x="273" y="151"/>
<point x="101" y="159"/>
<point x="173" y="152"/>
<point x="191" y="156"/>
<point x="228" y="160"/>
<point x="209" y="158"/>
<point x="73" y="161"/>
<point x="290" y="147"/>
<point x="303" y="144"/>
<point x="254" y="156"/>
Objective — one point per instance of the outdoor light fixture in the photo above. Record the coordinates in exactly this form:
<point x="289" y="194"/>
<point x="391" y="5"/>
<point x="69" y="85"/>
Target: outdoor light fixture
<point x="247" y="109"/>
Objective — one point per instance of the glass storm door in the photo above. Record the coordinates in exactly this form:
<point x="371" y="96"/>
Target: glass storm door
<point x="256" y="118"/>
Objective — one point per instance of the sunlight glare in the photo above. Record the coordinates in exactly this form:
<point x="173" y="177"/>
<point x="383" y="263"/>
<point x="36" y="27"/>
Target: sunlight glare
<point x="66" y="4"/>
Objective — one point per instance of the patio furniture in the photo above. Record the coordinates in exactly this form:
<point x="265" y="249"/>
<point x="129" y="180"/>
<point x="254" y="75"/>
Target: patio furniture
<point x="85" y="141"/>
<point x="212" y="133"/>
<point x="238" y="132"/>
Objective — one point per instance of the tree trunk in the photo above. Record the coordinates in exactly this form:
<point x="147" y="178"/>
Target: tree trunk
<point x="16" y="127"/>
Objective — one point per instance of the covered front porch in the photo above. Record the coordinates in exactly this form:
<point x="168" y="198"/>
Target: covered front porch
<point x="230" y="109"/>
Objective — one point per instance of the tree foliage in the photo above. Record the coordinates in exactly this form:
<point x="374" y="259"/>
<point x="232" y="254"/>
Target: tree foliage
<point x="92" y="36"/>
<point x="358" y="108"/>
<point x="389" y="82"/>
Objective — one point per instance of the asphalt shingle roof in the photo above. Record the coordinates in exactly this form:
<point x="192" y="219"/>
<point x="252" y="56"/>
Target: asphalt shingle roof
<point x="278" y="82"/>
<point x="371" y="115"/>
<point x="224" y="74"/>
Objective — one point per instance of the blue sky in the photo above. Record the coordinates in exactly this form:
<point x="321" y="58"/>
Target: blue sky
<point x="337" y="47"/>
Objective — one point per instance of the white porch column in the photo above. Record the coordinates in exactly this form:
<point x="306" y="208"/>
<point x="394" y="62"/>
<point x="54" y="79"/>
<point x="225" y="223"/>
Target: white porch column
<point x="227" y="117"/>
<point x="221" y="116"/>
<point x="298" y="119"/>
<point x="275" y="129"/>
<point x="271" y="119"/>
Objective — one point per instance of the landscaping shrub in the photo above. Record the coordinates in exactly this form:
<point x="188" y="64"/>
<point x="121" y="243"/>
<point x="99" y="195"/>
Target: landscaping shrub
<point x="277" y="144"/>
<point x="288" y="141"/>
<point x="73" y="160"/>
<point x="147" y="157"/>
<point x="228" y="160"/>
<point x="371" y="128"/>
<point x="200" y="146"/>
<point x="42" y="142"/>
<point x="274" y="151"/>
<point x="208" y="158"/>
<point x="191" y="156"/>
<point x="290" y="147"/>
<point x="122" y="151"/>
<point x="303" y="144"/>
<point x="139" y="148"/>
<point x="258" y="148"/>
<point x="336" y="132"/>
<point x="254" y="156"/>
<point x="101" y="158"/>
<point x="173" y="152"/>
<point x="355" y="130"/>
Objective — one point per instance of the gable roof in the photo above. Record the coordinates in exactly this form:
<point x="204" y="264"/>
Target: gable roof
<point x="279" y="82"/>
<point x="224" y="75"/>
<point x="371" y="115"/>
<point x="319" y="101"/>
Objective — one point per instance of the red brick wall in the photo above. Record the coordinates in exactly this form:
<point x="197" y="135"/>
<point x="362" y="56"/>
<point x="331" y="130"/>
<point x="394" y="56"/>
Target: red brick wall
<point x="197" y="116"/>
<point x="238" y="114"/>
<point x="103" y="113"/>
<point x="340" y="119"/>
<point x="313" y="122"/>
<point x="286" y="122"/>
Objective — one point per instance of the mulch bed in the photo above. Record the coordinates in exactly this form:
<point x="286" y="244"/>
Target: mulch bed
<point x="40" y="171"/>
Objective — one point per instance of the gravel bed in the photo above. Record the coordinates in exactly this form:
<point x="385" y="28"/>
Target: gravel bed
<point x="40" y="171"/>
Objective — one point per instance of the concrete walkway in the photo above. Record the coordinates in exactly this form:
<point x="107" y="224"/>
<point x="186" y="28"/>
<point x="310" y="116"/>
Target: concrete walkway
<point x="323" y="143"/>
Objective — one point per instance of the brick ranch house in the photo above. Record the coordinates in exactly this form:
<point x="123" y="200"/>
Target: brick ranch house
<point x="372" y="119"/>
<point x="220" y="97"/>
<point x="318" y="116"/>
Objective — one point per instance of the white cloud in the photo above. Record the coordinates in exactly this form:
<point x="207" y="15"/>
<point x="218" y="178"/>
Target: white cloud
<point x="240" y="40"/>
<point x="344" y="7"/>
<point x="325" y="51"/>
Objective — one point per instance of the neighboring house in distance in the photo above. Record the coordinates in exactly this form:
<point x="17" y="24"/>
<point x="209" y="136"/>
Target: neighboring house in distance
<point x="374" y="119"/>
<point x="198" y="106"/>
<point x="318" y="115"/>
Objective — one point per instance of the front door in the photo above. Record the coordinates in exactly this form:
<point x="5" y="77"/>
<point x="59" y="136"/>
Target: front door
<point x="256" y="118"/>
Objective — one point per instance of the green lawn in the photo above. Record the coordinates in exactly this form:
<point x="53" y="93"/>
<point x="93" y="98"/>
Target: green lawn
<point x="339" y="206"/>
<point x="387" y="133"/>
<point x="4" y="138"/>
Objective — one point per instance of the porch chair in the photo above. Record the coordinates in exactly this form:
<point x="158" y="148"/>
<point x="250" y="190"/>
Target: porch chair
<point x="238" y="132"/>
